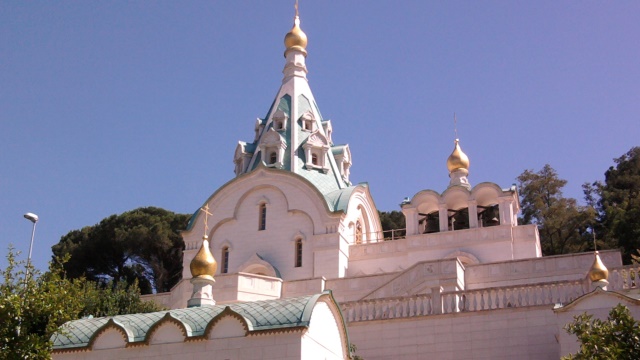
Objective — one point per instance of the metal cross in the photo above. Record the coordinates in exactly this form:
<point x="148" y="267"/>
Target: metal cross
<point x="205" y="210"/>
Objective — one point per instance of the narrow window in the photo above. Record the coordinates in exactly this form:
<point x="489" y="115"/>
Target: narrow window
<point x="225" y="260"/>
<point x="262" y="217"/>
<point x="272" y="158"/>
<point x="358" y="232"/>
<point x="298" y="253"/>
<point x="314" y="159"/>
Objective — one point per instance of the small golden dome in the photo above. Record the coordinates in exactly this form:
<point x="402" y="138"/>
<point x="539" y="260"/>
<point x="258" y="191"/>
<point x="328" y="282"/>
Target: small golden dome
<point x="203" y="264"/>
<point x="296" y="39"/>
<point x="598" y="271"/>
<point x="457" y="159"/>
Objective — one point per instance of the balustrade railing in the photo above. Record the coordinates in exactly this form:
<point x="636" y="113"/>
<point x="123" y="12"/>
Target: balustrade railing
<point x="379" y="236"/>
<point x="463" y="301"/>
<point x="624" y="278"/>
<point x="388" y="308"/>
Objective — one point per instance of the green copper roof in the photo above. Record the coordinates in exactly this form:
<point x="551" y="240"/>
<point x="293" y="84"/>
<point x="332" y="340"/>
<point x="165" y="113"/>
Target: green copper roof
<point x="258" y="315"/>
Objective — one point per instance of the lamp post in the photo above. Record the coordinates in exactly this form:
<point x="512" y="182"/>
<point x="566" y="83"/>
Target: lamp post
<point x="34" y="219"/>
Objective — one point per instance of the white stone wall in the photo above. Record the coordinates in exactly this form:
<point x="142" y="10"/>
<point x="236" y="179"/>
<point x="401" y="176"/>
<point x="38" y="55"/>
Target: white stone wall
<point x="597" y="304"/>
<point x="525" y="333"/>
<point x="286" y="346"/>
<point x="323" y="340"/>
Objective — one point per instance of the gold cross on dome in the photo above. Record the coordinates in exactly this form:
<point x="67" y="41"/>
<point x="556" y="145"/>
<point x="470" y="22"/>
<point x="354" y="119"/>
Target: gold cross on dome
<point x="205" y="210"/>
<point x="296" y="6"/>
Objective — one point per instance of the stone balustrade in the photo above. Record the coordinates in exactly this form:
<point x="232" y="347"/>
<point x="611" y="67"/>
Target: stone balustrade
<point x="464" y="301"/>
<point x="389" y="308"/>
<point x="624" y="278"/>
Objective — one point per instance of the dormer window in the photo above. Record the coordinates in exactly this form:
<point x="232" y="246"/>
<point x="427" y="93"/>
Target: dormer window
<point x="280" y="120"/>
<point x="315" y="149"/>
<point x="342" y="154"/>
<point x="258" y="128"/>
<point x="272" y="148"/>
<point x="308" y="121"/>
<point x="242" y="157"/>
<point x="328" y="130"/>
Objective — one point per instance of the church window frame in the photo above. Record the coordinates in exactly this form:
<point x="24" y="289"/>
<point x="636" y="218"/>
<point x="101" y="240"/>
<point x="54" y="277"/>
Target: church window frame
<point x="262" y="217"/>
<point x="224" y="256"/>
<point x="298" y="252"/>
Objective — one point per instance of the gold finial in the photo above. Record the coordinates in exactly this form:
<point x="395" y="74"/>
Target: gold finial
<point x="457" y="159"/>
<point x="204" y="265"/>
<point x="296" y="39"/>
<point x="598" y="271"/>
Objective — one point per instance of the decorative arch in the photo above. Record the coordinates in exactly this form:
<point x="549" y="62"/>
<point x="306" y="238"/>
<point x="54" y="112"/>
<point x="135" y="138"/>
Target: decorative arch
<point x="258" y="266"/>
<point x="168" y="320"/>
<point x="227" y="312"/>
<point x="464" y="257"/>
<point x="110" y="327"/>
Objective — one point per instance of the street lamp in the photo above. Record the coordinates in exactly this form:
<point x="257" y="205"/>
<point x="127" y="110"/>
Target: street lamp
<point x="34" y="219"/>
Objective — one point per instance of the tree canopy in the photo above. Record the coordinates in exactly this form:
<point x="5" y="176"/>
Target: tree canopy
<point x="617" y="201"/>
<point x="143" y="244"/>
<point x="561" y="221"/>
<point x="617" y="337"/>
<point x="33" y="307"/>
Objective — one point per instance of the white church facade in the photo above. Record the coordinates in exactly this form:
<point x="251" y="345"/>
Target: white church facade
<point x="302" y="267"/>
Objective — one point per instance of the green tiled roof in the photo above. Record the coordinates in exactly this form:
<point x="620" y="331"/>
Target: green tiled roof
<point x="258" y="315"/>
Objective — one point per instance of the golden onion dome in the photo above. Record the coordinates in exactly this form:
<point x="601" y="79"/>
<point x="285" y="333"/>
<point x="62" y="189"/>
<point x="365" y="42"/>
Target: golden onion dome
<point x="203" y="265"/>
<point x="457" y="159"/>
<point x="598" y="271"/>
<point x="296" y="39"/>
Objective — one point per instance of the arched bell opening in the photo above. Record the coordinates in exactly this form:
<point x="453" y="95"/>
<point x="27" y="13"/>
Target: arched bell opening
<point x="429" y="223"/>
<point x="489" y="215"/>
<point x="458" y="219"/>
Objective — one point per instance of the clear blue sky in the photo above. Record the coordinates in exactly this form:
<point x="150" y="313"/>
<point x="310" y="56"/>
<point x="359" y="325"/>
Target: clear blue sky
<point x="113" y="105"/>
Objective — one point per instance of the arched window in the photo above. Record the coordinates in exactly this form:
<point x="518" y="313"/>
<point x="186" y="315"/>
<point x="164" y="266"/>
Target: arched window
<point x="298" y="253"/>
<point x="224" y="268"/>
<point x="358" y="232"/>
<point x="459" y="220"/>
<point x="273" y="157"/>
<point x="314" y="159"/>
<point x="489" y="215"/>
<point x="262" y="217"/>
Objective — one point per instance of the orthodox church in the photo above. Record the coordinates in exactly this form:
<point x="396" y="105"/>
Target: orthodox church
<point x="288" y="260"/>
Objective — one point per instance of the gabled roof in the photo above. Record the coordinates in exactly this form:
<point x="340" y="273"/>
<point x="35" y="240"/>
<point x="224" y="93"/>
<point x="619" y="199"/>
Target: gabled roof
<point x="266" y="315"/>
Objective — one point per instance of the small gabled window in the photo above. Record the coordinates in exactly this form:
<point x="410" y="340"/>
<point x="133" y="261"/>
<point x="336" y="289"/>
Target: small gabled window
<point x="314" y="159"/>
<point x="298" y="253"/>
<point x="273" y="157"/>
<point x="262" y="217"/>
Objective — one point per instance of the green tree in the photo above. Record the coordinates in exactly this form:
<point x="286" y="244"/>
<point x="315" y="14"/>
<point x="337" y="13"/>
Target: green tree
<point x="142" y="244"/>
<point x="32" y="309"/>
<point x="617" y="201"/>
<point x="617" y="338"/>
<point x="392" y="220"/>
<point x="562" y="223"/>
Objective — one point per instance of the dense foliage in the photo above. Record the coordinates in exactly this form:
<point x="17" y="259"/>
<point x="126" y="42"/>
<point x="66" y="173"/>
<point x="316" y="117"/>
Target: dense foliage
<point x="617" y="337"/>
<point x="617" y="201"/>
<point x="563" y="224"/>
<point x="141" y="245"/>
<point x="33" y="307"/>
<point x="392" y="220"/>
